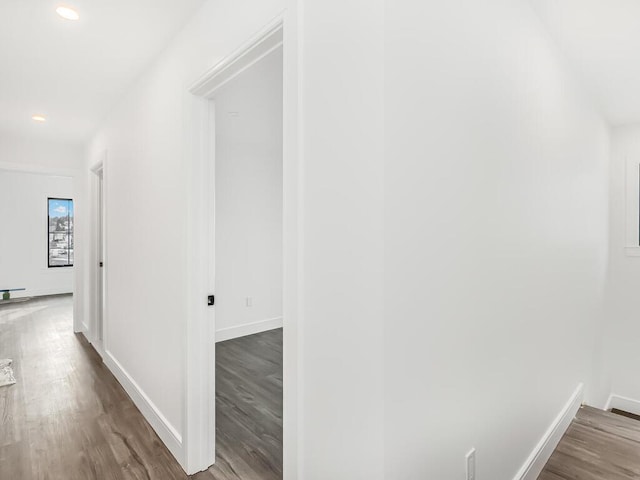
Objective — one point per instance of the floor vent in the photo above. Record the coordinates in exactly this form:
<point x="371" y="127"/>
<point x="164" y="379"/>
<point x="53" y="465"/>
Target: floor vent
<point x="625" y="414"/>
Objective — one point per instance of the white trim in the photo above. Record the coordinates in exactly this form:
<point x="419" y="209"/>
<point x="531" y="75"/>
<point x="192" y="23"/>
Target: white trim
<point x="607" y="406"/>
<point x="293" y="241"/>
<point x="199" y="378"/>
<point x="632" y="251"/>
<point x="98" y="168"/>
<point x="40" y="170"/>
<point x="625" y="404"/>
<point x="248" y="329"/>
<point x="259" y="46"/>
<point x="549" y="441"/>
<point x="43" y="292"/>
<point x="96" y="175"/>
<point x="167" y="432"/>
<point x="99" y="253"/>
<point x="84" y="333"/>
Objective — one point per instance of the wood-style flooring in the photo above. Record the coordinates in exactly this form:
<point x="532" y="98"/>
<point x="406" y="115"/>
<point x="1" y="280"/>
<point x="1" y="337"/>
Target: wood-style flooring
<point x="597" y="446"/>
<point x="249" y="408"/>
<point x="68" y="418"/>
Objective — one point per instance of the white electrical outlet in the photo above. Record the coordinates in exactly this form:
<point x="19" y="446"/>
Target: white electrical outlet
<point x="471" y="464"/>
<point x="249" y="301"/>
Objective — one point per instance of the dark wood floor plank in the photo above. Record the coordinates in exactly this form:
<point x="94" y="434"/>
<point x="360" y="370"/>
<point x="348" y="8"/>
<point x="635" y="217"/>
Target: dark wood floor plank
<point x="249" y="408"/>
<point x="68" y="418"/>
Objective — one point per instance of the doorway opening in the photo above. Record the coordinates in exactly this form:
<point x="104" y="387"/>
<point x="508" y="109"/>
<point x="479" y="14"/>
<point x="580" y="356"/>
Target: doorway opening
<point x="97" y="258"/>
<point x="206" y="332"/>
<point x="248" y="277"/>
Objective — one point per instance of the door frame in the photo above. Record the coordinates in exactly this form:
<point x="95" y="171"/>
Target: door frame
<point x="99" y="242"/>
<point x="199" y="403"/>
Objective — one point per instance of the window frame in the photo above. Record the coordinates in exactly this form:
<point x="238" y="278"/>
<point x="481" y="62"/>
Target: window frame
<point x="49" y="234"/>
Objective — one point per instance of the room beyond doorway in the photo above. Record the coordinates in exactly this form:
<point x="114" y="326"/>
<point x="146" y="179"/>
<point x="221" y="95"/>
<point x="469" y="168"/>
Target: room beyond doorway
<point x="248" y="201"/>
<point x="204" y="325"/>
<point x="248" y="252"/>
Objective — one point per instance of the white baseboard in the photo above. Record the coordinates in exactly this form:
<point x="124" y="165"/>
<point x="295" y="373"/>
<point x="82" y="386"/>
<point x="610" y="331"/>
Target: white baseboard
<point x="625" y="404"/>
<point x="84" y="334"/>
<point x="548" y="443"/>
<point x="167" y="433"/>
<point x="248" y="329"/>
<point x="41" y="292"/>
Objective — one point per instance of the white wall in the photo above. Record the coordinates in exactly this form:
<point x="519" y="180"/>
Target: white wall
<point x="623" y="301"/>
<point x="496" y="172"/>
<point x="38" y="154"/>
<point x="148" y="140"/>
<point x="23" y="242"/>
<point x="341" y="342"/>
<point x="453" y="232"/>
<point x="248" y="201"/>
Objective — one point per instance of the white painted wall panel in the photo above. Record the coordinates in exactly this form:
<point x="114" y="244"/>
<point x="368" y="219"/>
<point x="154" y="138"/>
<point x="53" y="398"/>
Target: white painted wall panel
<point x="496" y="224"/>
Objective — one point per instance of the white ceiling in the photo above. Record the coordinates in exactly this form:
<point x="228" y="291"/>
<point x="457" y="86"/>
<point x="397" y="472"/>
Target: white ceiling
<point x="601" y="39"/>
<point x="73" y="72"/>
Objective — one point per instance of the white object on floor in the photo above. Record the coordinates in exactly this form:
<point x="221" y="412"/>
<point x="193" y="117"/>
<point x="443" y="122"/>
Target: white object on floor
<point x="6" y="373"/>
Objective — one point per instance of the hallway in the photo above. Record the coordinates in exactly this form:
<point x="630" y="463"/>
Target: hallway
<point x="67" y="417"/>
<point x="598" y="445"/>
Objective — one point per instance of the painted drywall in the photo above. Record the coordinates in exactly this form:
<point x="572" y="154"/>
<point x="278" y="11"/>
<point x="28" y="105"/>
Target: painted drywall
<point x="23" y="243"/>
<point x="248" y="201"/>
<point x="622" y="353"/>
<point x="598" y="38"/>
<point x="452" y="219"/>
<point x="147" y="141"/>
<point x="496" y="233"/>
<point x="341" y="335"/>
<point x="36" y="154"/>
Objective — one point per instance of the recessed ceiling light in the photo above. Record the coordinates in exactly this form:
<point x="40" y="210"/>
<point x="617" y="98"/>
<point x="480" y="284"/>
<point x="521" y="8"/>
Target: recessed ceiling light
<point x="39" y="118"/>
<point x="67" y="13"/>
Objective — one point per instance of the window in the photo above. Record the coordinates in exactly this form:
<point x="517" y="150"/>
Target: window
<point x="60" y="242"/>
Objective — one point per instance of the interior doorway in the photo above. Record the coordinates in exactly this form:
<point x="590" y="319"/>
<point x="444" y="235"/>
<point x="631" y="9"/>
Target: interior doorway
<point x="248" y="279"/>
<point x="201" y="347"/>
<point x="98" y="259"/>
